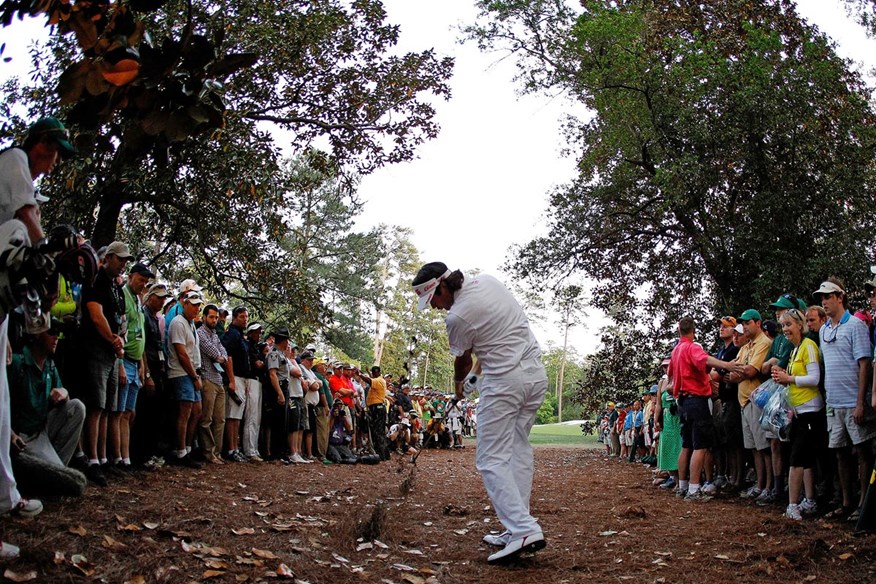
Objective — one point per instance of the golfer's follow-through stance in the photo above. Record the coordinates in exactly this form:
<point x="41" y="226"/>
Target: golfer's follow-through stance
<point x="484" y="318"/>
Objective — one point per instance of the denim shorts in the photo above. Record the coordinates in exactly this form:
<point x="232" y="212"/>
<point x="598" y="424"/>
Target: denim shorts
<point x="128" y="392"/>
<point x="184" y="389"/>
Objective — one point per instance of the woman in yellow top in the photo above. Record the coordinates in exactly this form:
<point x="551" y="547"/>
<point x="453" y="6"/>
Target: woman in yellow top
<point x="809" y="426"/>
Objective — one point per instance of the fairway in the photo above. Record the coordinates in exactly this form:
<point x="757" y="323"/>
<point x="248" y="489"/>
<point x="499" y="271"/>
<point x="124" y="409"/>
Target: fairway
<point x="561" y="434"/>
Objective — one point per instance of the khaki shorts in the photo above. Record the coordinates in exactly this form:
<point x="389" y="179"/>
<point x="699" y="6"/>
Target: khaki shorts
<point x="841" y="427"/>
<point x="753" y="436"/>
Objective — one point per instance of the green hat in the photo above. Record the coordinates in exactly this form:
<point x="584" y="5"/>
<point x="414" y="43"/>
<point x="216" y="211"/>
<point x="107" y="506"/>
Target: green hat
<point x="750" y="314"/>
<point x="50" y="127"/>
<point x="788" y="301"/>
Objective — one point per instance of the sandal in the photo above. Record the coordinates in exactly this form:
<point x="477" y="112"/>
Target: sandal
<point x="839" y="513"/>
<point x="854" y="515"/>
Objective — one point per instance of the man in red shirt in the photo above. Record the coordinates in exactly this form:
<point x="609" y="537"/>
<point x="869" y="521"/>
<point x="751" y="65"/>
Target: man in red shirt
<point x="689" y="370"/>
<point x="342" y="386"/>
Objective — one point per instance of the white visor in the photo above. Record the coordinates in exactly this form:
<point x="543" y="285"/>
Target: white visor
<point x="427" y="289"/>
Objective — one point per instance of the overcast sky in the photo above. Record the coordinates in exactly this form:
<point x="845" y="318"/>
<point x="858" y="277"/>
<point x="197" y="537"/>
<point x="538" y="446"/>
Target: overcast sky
<point x="482" y="185"/>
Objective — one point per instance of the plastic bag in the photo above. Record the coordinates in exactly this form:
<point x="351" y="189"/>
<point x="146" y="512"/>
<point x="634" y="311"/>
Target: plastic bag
<point x="777" y="413"/>
<point x="764" y="392"/>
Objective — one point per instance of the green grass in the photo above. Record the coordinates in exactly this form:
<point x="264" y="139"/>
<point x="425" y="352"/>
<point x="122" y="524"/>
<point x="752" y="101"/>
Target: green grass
<point x="569" y="434"/>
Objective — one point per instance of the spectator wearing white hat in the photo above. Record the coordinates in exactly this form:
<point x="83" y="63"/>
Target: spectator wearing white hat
<point x="184" y="376"/>
<point x="851" y="421"/>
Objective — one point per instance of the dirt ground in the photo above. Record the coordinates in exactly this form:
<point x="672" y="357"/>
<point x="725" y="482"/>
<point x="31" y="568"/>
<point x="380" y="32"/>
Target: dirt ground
<point x="313" y="523"/>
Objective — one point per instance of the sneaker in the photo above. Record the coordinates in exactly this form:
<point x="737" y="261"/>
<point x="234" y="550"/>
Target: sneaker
<point x="326" y="461"/>
<point x="300" y="459"/>
<point x="765" y="498"/>
<point x="751" y="492"/>
<point x="793" y="512"/>
<point x="681" y="493"/>
<point x="27" y="508"/>
<point x="808" y="507"/>
<point x="515" y="547"/>
<point x="668" y="484"/>
<point x="697" y="497"/>
<point x="95" y="475"/>
<point x="288" y="460"/>
<point x="254" y="458"/>
<point x="710" y="489"/>
<point x="237" y="456"/>
<point x="8" y="551"/>
<point x="498" y="539"/>
<point x="186" y="461"/>
<point x="720" y="482"/>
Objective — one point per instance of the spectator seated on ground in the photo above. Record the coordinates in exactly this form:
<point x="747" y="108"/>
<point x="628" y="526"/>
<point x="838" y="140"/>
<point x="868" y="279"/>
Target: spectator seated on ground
<point x="340" y="436"/>
<point x="437" y="435"/>
<point x="46" y="424"/>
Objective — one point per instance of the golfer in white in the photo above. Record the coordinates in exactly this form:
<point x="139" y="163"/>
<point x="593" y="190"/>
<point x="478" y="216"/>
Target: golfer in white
<point x="484" y="318"/>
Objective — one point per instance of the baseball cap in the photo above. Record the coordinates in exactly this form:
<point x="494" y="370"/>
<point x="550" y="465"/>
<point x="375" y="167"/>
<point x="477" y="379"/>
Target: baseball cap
<point x="728" y="321"/>
<point x="254" y="327"/>
<point x="869" y="285"/>
<point x="828" y="288"/>
<point x="158" y="289"/>
<point x="189" y="286"/>
<point x="738" y="328"/>
<point x="653" y="390"/>
<point x="194" y="297"/>
<point x="281" y="334"/>
<point x="347" y="366"/>
<point x="786" y="301"/>
<point x="140" y="268"/>
<point x="310" y="347"/>
<point x="42" y="323"/>
<point x="50" y="127"/>
<point x="750" y="314"/>
<point x="306" y="355"/>
<point x="120" y="250"/>
<point x="427" y="280"/>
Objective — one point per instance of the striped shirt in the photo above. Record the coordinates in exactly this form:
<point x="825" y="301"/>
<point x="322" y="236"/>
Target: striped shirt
<point x="842" y="346"/>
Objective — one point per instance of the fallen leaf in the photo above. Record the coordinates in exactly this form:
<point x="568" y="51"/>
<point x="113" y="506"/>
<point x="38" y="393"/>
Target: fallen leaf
<point x="284" y="571"/>
<point x="607" y="533"/>
<point x="136" y="580"/>
<point x="81" y="563"/>
<point x="665" y="554"/>
<point x="241" y="578"/>
<point x="59" y="558"/>
<point x="243" y="531"/>
<point x="119" y="518"/>
<point x="341" y="559"/>
<point x="380" y="544"/>
<point x="364" y="546"/>
<point x="268" y="555"/>
<point x="248" y="561"/>
<point x="414" y="552"/>
<point x="302" y="493"/>
<point x="427" y="523"/>
<point x="187" y="547"/>
<point x="78" y="530"/>
<point x="113" y="544"/>
<point x="403" y="568"/>
<point x="129" y="527"/>
<point x="413" y="579"/>
<point x="214" y="551"/>
<point x="150" y="524"/>
<point x="722" y="557"/>
<point x="20" y="576"/>
<point x="845" y="556"/>
<point x="212" y="573"/>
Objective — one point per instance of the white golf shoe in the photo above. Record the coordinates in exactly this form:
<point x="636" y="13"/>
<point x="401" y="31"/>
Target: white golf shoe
<point x="498" y="539"/>
<point x="515" y="547"/>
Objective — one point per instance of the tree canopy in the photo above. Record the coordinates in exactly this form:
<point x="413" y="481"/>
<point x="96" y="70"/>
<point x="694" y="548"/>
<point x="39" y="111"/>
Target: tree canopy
<point x="225" y="141"/>
<point x="728" y="156"/>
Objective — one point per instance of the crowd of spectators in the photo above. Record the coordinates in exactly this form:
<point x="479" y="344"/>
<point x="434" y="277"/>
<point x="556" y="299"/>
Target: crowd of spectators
<point x="113" y="371"/>
<point x="780" y="414"/>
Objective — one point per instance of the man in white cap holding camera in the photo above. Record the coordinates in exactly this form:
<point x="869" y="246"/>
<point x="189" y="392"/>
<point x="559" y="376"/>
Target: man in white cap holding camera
<point x="484" y="318"/>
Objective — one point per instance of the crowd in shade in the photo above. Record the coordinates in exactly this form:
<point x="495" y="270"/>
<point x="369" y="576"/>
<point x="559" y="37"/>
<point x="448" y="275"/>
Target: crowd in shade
<point x="113" y="372"/>
<point x="781" y="413"/>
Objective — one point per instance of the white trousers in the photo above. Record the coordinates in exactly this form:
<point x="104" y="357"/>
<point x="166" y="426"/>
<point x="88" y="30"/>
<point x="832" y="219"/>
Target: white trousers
<point x="506" y="412"/>
<point x="252" y="413"/>
<point x="9" y="495"/>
